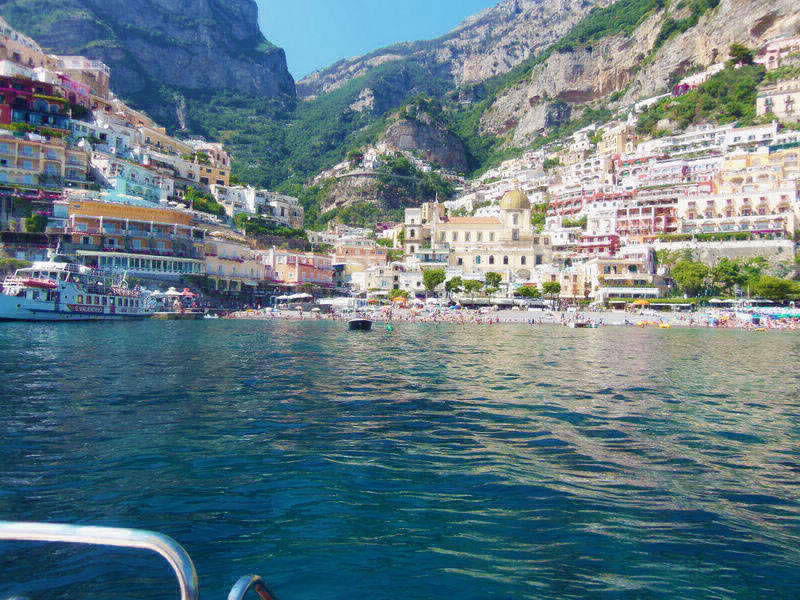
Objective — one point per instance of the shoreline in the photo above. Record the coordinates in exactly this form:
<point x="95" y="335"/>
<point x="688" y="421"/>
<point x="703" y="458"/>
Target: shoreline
<point x="594" y="319"/>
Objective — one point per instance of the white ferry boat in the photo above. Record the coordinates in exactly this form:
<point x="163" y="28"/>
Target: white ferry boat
<point x="60" y="290"/>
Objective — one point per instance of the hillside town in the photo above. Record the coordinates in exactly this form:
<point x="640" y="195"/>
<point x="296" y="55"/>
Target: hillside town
<point x="596" y="218"/>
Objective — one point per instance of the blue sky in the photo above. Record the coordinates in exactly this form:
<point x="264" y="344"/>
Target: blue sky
<point x="317" y="33"/>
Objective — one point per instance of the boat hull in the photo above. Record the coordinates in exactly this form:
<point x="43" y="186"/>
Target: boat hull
<point x="359" y="324"/>
<point x="13" y="308"/>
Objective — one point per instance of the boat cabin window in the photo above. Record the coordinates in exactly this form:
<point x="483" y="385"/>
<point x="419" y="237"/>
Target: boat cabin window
<point x="105" y="300"/>
<point x="80" y="299"/>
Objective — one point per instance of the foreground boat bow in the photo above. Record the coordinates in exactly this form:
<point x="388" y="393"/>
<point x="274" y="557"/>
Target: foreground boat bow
<point x="163" y="545"/>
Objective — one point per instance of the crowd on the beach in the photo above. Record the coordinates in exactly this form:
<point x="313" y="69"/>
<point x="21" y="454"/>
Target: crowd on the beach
<point x="596" y="318"/>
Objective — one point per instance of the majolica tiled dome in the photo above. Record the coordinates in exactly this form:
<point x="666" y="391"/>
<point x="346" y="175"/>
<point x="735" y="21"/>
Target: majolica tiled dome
<point x="515" y="200"/>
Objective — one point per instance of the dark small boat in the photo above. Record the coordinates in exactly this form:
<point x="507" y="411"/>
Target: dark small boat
<point x="359" y="324"/>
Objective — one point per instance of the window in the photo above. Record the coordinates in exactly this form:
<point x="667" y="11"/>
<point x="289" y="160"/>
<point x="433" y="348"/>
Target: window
<point x="467" y="236"/>
<point x="491" y="237"/>
<point x="460" y="261"/>
<point x="505" y="260"/>
<point x="515" y="219"/>
<point x="522" y="260"/>
<point x="442" y="236"/>
<point x="454" y="236"/>
<point x="538" y="259"/>
<point x="477" y="260"/>
<point x="491" y="259"/>
<point x="479" y="236"/>
<point x="515" y="234"/>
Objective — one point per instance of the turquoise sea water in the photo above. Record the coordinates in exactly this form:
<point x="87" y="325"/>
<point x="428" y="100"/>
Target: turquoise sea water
<point x="437" y="461"/>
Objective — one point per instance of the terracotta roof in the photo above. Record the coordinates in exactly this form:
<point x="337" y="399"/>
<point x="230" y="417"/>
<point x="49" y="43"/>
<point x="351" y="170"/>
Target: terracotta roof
<point x="474" y="221"/>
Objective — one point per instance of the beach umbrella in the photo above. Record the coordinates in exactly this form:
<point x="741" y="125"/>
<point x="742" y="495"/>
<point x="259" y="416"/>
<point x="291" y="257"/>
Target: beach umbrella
<point x="314" y="310"/>
<point x="172" y="292"/>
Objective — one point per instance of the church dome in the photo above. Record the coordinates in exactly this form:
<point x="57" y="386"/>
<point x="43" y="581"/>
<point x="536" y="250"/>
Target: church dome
<point x="515" y="200"/>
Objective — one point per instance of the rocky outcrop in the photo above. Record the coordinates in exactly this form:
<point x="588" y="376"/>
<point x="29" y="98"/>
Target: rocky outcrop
<point x="490" y="43"/>
<point x="749" y="22"/>
<point x="431" y="143"/>
<point x="629" y="64"/>
<point x="186" y="45"/>
<point x="352" y="189"/>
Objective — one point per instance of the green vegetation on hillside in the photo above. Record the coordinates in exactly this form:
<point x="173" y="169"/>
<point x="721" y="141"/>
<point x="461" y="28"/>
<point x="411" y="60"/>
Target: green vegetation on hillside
<point x="782" y="73"/>
<point x="401" y="179"/>
<point x="672" y="27"/>
<point x="727" y="97"/>
<point x="257" y="225"/>
<point x="359" y="214"/>
<point x="203" y="202"/>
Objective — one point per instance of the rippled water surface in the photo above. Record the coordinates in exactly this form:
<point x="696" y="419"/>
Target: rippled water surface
<point x="437" y="461"/>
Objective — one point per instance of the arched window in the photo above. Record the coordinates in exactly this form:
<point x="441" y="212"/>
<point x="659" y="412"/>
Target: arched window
<point x="505" y="260"/>
<point x="412" y="233"/>
<point x="522" y="260"/>
<point x="491" y="259"/>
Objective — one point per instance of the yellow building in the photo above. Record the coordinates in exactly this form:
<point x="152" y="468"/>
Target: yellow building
<point x="46" y="162"/>
<point x="158" y="139"/>
<point x="620" y="138"/>
<point x="231" y="264"/>
<point x="507" y="244"/>
<point x="781" y="99"/>
<point x="147" y="242"/>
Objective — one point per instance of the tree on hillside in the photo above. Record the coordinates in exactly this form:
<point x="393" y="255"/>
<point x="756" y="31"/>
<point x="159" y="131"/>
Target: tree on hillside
<point x="493" y="279"/>
<point x="453" y="285"/>
<point x="668" y="258"/>
<point x="36" y="223"/>
<point x="774" y="288"/>
<point x="753" y="268"/>
<point x="471" y="286"/>
<point x="432" y="278"/>
<point x="528" y="291"/>
<point x="740" y="54"/>
<point x="690" y="276"/>
<point x="727" y="274"/>
<point x="551" y="289"/>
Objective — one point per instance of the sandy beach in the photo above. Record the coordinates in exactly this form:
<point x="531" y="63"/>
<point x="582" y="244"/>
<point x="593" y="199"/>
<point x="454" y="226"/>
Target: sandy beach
<point x="596" y="318"/>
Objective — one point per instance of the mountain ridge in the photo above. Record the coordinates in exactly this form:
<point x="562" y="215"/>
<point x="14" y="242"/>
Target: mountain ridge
<point x="487" y="44"/>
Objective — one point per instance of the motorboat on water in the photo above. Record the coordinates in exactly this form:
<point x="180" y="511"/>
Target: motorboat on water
<point x="169" y="549"/>
<point x="59" y="289"/>
<point x="581" y="325"/>
<point x="360" y="324"/>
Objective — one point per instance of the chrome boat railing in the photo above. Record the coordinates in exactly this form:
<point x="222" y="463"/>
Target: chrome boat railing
<point x="247" y="583"/>
<point x="161" y="544"/>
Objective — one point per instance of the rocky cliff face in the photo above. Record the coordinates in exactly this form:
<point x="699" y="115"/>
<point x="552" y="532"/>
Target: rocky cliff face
<point x="186" y="45"/>
<point x="423" y="138"/>
<point x="488" y="44"/>
<point x="629" y="65"/>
